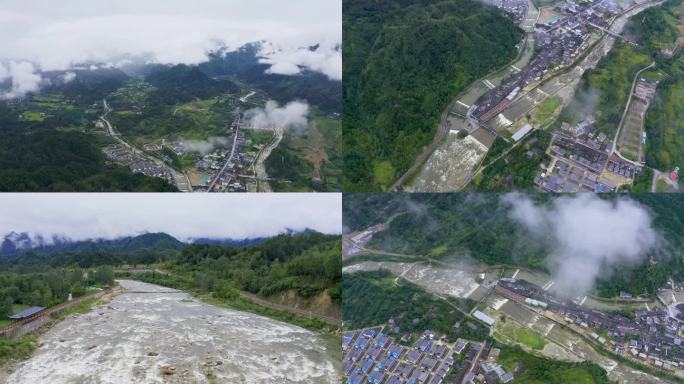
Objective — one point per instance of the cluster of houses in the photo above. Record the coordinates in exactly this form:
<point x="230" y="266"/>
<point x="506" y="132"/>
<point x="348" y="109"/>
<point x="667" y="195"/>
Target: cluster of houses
<point x="370" y="356"/>
<point x="581" y="156"/>
<point x="560" y="40"/>
<point x="655" y="337"/>
<point x="138" y="163"/>
<point x="490" y="372"/>
<point x="221" y="167"/>
<point x="516" y="8"/>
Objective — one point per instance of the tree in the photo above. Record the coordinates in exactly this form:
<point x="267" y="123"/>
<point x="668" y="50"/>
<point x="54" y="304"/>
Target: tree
<point x="227" y="292"/>
<point x="77" y="291"/>
<point x="76" y="276"/>
<point x="103" y="275"/>
<point x="6" y="307"/>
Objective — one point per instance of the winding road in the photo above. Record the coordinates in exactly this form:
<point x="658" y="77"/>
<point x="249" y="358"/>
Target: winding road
<point x="624" y="115"/>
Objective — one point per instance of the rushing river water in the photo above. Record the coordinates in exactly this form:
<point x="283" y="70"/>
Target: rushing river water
<point x="152" y="334"/>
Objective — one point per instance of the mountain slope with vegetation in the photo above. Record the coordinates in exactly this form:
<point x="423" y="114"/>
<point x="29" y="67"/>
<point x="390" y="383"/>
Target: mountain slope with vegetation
<point x="149" y="241"/>
<point x="45" y="159"/>
<point x="372" y="298"/>
<point x="479" y="226"/>
<point x="243" y="65"/>
<point x="307" y="262"/>
<point x="403" y="62"/>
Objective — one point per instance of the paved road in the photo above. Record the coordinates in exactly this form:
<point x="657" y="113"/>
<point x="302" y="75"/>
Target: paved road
<point x="624" y="114"/>
<point x="232" y="153"/>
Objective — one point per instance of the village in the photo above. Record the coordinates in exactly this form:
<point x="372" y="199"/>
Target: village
<point x="562" y="41"/>
<point x="371" y="356"/>
<point x="562" y="35"/>
<point x="584" y="160"/>
<point x="652" y="336"/>
<point x="226" y="167"/>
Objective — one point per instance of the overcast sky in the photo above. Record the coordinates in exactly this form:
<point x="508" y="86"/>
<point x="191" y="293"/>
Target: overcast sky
<point x="57" y="35"/>
<point x="87" y="216"/>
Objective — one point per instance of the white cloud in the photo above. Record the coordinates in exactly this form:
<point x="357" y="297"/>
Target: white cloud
<point x="88" y="216"/>
<point x="589" y="236"/>
<point x="325" y="59"/>
<point x="23" y="76"/>
<point x="61" y="35"/>
<point x="68" y="77"/>
<point x="205" y="146"/>
<point x="293" y="115"/>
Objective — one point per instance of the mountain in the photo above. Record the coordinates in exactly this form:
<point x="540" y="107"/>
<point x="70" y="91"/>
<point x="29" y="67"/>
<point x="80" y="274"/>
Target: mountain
<point x="243" y="64"/>
<point x="404" y="60"/>
<point x="16" y="244"/>
<point x="88" y="86"/>
<point x="248" y="241"/>
<point x="226" y="63"/>
<point x="183" y="83"/>
<point x="236" y="243"/>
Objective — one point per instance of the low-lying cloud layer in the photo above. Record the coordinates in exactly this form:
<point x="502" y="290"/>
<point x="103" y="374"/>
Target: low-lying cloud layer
<point x="23" y="76"/>
<point x="589" y="237"/>
<point x="293" y="115"/>
<point x="326" y="59"/>
<point x="108" y="216"/>
<point x="205" y="146"/>
<point x="63" y="35"/>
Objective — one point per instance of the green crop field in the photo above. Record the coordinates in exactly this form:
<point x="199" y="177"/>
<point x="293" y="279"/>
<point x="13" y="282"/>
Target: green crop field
<point x="524" y="336"/>
<point x="545" y="115"/>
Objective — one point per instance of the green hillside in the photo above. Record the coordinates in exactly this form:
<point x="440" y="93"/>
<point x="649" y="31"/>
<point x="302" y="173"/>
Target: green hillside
<point x="372" y="298"/>
<point x="479" y="225"/>
<point x="403" y="62"/>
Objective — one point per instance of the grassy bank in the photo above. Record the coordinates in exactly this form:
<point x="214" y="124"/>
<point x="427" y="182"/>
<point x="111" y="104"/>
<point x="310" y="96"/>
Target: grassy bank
<point x="16" y="350"/>
<point x="531" y="369"/>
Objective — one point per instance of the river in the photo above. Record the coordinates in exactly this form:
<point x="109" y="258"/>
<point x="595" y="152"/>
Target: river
<point x="152" y="334"/>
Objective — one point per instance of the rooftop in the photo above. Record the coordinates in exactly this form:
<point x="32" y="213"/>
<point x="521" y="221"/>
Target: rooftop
<point x="26" y="313"/>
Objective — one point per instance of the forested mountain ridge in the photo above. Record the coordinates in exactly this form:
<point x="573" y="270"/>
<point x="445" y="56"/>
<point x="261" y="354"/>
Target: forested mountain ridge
<point x="182" y="83"/>
<point x="243" y="64"/>
<point x="14" y="245"/>
<point x="479" y="226"/>
<point x="39" y="157"/>
<point x="403" y="62"/>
